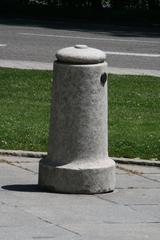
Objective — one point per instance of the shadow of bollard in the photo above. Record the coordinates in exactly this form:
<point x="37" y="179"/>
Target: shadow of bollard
<point x="22" y="188"/>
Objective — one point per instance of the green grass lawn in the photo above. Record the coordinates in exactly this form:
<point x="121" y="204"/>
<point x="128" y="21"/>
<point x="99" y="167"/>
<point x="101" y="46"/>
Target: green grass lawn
<point x="134" y="113"/>
<point x="24" y="109"/>
<point x="134" y="116"/>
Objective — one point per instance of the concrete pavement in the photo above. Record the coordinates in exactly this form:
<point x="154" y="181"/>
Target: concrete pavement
<point x="26" y="212"/>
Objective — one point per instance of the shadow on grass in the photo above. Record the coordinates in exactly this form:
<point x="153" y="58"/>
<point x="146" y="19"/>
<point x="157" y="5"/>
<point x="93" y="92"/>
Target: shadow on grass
<point x="23" y="188"/>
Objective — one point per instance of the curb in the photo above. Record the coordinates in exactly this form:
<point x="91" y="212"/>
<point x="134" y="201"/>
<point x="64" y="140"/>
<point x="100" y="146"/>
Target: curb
<point x="133" y="71"/>
<point x="153" y="163"/>
<point x="49" y="66"/>
<point x="20" y="153"/>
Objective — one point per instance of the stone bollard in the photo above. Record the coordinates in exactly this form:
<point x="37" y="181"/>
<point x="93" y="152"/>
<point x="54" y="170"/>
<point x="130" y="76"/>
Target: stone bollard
<point x="77" y="160"/>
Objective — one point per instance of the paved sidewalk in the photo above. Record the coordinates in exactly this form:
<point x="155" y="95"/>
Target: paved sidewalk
<point x="49" y="66"/>
<point x="132" y="211"/>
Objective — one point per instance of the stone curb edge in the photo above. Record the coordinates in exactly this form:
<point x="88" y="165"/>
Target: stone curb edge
<point x="20" y="153"/>
<point x="137" y="161"/>
<point x="31" y="154"/>
<point x="49" y="66"/>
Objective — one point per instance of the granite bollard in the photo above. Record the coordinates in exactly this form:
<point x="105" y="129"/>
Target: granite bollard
<point x="77" y="159"/>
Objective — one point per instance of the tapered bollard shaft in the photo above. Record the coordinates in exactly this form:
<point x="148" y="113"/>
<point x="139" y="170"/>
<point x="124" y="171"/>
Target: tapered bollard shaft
<point x="77" y="160"/>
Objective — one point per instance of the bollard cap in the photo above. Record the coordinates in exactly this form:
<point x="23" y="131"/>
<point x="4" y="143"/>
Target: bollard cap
<point x="80" y="54"/>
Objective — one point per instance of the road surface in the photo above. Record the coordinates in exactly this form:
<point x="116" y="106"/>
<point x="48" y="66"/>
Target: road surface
<point x="126" y="47"/>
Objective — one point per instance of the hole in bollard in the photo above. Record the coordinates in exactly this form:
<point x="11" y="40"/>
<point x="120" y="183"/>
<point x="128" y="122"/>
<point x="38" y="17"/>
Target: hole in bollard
<point x="103" y="78"/>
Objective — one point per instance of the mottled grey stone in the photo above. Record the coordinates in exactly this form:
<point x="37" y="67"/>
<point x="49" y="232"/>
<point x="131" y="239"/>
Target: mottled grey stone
<point x="78" y="178"/>
<point x="77" y="160"/>
<point x="80" y="54"/>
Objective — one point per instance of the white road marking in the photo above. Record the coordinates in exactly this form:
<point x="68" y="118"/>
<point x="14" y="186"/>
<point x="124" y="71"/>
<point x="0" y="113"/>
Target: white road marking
<point x="87" y="38"/>
<point x="3" y="45"/>
<point x="133" y="54"/>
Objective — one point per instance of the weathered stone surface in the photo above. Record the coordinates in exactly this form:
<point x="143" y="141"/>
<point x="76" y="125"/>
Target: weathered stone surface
<point x="78" y="178"/>
<point x="77" y="160"/>
<point x="80" y="54"/>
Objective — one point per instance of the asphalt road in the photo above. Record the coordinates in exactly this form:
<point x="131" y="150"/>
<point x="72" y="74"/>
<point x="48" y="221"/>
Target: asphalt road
<point x="126" y="47"/>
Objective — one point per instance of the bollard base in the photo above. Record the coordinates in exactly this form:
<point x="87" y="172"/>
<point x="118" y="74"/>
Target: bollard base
<point x="75" y="177"/>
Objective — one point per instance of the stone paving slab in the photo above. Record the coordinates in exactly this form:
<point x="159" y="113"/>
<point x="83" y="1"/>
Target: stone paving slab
<point x="136" y="196"/>
<point x="30" y="166"/>
<point x="141" y="169"/>
<point x="19" y="159"/>
<point x="131" y="181"/>
<point x="10" y="174"/>
<point x="41" y="232"/>
<point x="117" y="231"/>
<point x="33" y="167"/>
<point x="131" y="212"/>
<point x="149" y="210"/>
<point x="98" y="213"/>
<point x="154" y="177"/>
